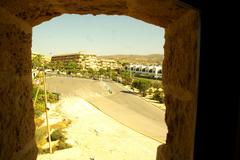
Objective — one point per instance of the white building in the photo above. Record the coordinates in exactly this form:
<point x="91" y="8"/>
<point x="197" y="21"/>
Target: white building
<point x="154" y="71"/>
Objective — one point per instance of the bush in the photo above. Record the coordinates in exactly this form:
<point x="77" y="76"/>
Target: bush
<point x="63" y="145"/>
<point x="142" y="85"/>
<point x="159" y="96"/>
<point x="39" y="109"/>
<point x="126" y="78"/>
<point x="127" y="81"/>
<point x="150" y="91"/>
<point x="53" y="97"/>
<point x="57" y="135"/>
<point x="157" y="84"/>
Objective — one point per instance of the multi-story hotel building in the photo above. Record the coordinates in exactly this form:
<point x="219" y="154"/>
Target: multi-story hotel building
<point x="85" y="59"/>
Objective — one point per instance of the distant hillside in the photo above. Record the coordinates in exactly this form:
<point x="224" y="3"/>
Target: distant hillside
<point x="140" y="59"/>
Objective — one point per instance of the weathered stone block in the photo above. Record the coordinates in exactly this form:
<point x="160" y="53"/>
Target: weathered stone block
<point x="16" y="115"/>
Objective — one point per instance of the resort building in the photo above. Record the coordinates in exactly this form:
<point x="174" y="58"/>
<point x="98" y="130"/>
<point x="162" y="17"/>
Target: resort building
<point x="152" y="70"/>
<point x="86" y="59"/>
<point x="108" y="63"/>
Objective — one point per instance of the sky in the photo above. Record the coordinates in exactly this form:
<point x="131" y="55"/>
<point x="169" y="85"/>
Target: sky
<point x="102" y="35"/>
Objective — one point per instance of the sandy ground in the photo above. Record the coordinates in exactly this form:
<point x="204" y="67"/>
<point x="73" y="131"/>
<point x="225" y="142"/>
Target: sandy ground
<point x="96" y="136"/>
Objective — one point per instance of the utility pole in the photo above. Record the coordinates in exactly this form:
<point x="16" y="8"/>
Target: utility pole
<point x="46" y="110"/>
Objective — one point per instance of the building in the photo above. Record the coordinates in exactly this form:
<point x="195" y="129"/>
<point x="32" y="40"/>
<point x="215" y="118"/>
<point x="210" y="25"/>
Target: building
<point x="152" y="70"/>
<point x="90" y="61"/>
<point x="108" y="63"/>
<point x="86" y="59"/>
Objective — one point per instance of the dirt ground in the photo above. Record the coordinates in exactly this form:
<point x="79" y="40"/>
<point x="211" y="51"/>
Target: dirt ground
<point x="96" y="136"/>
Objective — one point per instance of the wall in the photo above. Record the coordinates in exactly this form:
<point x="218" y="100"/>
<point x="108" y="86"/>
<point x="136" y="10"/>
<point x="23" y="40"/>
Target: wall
<point x="180" y="79"/>
<point x="16" y="116"/>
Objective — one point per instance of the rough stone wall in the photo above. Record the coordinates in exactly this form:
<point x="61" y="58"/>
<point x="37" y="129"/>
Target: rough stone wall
<point x="158" y="12"/>
<point x="180" y="84"/>
<point x="16" y="111"/>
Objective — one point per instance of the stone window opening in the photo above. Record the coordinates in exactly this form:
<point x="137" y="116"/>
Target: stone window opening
<point x="180" y="68"/>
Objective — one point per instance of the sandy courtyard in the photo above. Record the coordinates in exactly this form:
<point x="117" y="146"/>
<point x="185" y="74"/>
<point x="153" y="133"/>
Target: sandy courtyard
<point x="96" y="136"/>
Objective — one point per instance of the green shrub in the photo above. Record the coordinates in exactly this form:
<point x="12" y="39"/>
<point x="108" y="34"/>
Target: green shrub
<point x="142" y="85"/>
<point x="39" y="109"/>
<point x="157" y="84"/>
<point x="53" y="97"/>
<point x="150" y="91"/>
<point x="63" y="145"/>
<point x="57" y="135"/>
<point x="159" y="96"/>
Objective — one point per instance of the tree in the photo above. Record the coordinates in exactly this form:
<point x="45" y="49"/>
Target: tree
<point x="59" y="65"/>
<point x="125" y="64"/>
<point x="80" y="67"/>
<point x="71" y="67"/>
<point x="142" y="85"/>
<point x="114" y="76"/>
<point x="52" y="65"/>
<point x="37" y="61"/>
<point x="126" y="77"/>
<point x="90" y="72"/>
<point x="48" y="65"/>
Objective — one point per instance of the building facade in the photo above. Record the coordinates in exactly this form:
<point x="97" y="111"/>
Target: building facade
<point x="153" y="70"/>
<point x="85" y="59"/>
<point x="108" y="63"/>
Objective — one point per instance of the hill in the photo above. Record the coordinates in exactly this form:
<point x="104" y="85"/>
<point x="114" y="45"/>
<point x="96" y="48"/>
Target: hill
<point x="137" y="59"/>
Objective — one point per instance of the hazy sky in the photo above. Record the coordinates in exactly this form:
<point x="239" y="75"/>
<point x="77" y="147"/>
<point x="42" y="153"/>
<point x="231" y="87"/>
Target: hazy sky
<point x="103" y="35"/>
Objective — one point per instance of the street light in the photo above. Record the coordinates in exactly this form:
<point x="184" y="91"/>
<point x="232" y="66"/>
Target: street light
<point x="46" y="109"/>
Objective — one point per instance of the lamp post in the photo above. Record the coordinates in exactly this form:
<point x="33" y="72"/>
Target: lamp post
<point x="46" y="110"/>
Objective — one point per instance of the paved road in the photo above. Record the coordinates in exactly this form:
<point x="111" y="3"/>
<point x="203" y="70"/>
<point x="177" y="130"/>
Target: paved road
<point x="115" y="101"/>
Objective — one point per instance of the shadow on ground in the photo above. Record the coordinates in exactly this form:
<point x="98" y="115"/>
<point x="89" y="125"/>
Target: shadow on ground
<point x="128" y="92"/>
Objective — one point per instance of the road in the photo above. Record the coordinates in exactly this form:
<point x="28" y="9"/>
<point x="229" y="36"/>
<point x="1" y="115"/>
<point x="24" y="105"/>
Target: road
<point x="121" y="105"/>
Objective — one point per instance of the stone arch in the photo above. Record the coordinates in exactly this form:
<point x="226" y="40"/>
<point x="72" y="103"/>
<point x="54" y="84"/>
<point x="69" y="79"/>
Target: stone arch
<point x="179" y="67"/>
